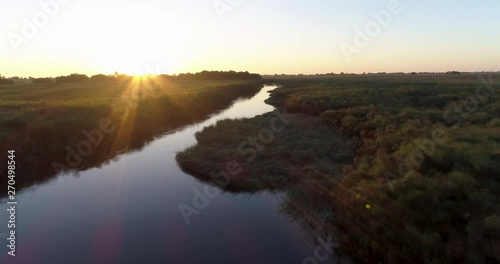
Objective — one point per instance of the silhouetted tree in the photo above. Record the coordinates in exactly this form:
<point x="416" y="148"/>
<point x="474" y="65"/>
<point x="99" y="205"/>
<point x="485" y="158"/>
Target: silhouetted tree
<point x="75" y="77"/>
<point x="123" y="77"/>
<point x="102" y="78"/>
<point x="43" y="80"/>
<point x="4" y="80"/>
<point x="215" y="75"/>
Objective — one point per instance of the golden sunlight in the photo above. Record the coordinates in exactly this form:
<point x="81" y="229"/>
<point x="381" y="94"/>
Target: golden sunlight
<point x="137" y="48"/>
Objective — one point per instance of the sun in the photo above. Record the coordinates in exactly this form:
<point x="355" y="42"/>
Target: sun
<point x="133" y="70"/>
<point x="145" y="51"/>
<point x="139" y="68"/>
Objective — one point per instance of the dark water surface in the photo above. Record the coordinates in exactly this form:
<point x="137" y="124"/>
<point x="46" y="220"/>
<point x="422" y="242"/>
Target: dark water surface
<point x="127" y="212"/>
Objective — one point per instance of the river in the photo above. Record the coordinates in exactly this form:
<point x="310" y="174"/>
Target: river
<point x="127" y="211"/>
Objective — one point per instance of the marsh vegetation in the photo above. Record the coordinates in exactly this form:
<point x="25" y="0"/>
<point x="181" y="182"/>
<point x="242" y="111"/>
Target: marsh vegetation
<point x="45" y="121"/>
<point x="402" y="168"/>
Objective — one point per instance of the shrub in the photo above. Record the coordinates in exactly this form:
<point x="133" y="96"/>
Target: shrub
<point x="43" y="80"/>
<point x="72" y="78"/>
<point x="495" y="122"/>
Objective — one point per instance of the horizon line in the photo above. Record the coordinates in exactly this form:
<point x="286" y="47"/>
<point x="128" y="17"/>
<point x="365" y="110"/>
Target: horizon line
<point x="265" y="74"/>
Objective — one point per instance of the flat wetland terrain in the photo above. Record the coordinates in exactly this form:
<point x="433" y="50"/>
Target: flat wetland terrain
<point x="46" y="123"/>
<point x="230" y="131"/>
<point x="401" y="168"/>
<point x="398" y="168"/>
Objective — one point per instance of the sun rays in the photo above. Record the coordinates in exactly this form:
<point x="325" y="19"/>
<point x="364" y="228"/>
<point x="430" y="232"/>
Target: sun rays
<point x="131" y="105"/>
<point x="136" y="89"/>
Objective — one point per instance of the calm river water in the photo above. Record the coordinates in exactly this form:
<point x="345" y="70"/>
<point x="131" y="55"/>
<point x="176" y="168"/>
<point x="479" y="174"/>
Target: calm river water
<point x="127" y="212"/>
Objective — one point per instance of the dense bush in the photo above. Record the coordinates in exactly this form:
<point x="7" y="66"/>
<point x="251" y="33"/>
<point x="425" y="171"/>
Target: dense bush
<point x="75" y="77"/>
<point x="102" y="78"/>
<point x="441" y="211"/>
<point x="4" y="80"/>
<point x="43" y="80"/>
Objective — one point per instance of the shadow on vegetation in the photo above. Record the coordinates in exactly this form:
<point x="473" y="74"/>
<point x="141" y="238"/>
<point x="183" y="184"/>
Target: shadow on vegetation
<point x="46" y="123"/>
<point x="418" y="180"/>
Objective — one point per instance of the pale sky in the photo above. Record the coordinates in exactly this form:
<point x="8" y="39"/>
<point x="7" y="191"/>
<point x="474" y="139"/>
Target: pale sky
<point x="263" y="36"/>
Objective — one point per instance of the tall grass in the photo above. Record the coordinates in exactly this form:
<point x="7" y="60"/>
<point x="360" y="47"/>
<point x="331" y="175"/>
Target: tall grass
<point x="40" y="120"/>
<point x="446" y="211"/>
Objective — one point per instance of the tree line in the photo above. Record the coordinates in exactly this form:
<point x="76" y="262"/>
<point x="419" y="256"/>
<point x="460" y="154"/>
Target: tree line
<point x="204" y="75"/>
<point x="215" y="75"/>
<point x="4" y="80"/>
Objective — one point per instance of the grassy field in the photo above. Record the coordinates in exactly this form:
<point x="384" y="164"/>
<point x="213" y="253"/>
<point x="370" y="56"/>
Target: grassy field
<point x="42" y="121"/>
<point x="402" y="168"/>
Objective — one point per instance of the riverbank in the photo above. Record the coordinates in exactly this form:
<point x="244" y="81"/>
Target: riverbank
<point x="75" y="126"/>
<point x="422" y="185"/>
<point x="269" y="152"/>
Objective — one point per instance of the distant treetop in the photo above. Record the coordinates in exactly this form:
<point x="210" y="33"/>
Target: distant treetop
<point x="4" y="80"/>
<point x="75" y="77"/>
<point x="204" y="75"/>
<point x="215" y="75"/>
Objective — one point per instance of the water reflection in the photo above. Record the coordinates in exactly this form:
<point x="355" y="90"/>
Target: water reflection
<point x="126" y="211"/>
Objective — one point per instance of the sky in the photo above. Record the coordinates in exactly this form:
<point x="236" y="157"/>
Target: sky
<point x="42" y="38"/>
